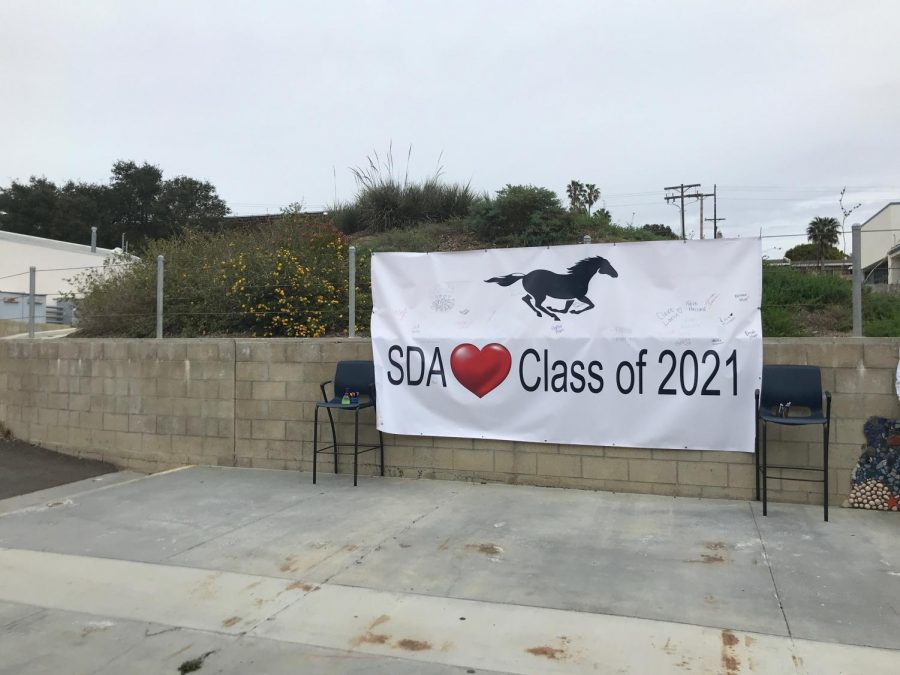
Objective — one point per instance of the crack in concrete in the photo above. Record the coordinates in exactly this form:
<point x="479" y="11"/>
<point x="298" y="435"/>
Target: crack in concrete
<point x="238" y="527"/>
<point x="171" y="629"/>
<point x="768" y="562"/>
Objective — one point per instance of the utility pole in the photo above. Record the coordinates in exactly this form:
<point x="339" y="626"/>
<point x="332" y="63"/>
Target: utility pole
<point x="680" y="196"/>
<point x="701" y="197"/>
<point x="857" y="280"/>
<point x="715" y="219"/>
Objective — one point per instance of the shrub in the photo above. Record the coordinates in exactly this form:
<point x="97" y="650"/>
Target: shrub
<point x="386" y="202"/>
<point x="347" y="217"/>
<point x="779" y="322"/>
<point x="288" y="279"/>
<point x="522" y="215"/>
<point x="881" y="314"/>
<point x="661" y="231"/>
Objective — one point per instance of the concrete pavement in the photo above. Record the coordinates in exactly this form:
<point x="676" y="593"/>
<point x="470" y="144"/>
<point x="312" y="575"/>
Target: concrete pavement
<point x="261" y="570"/>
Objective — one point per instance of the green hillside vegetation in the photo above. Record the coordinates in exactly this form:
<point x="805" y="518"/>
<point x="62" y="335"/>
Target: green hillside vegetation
<point x="518" y="215"/>
<point x="288" y="278"/>
<point x="799" y="304"/>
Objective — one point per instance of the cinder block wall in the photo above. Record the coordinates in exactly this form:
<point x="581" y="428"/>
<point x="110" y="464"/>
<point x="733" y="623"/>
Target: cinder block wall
<point x="142" y="404"/>
<point x="152" y="405"/>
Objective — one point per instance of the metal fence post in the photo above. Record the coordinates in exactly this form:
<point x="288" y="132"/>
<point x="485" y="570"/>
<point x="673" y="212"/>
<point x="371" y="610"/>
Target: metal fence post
<point x="32" y="284"/>
<point x="351" y="330"/>
<point x="160" y="272"/>
<point x="857" y="280"/>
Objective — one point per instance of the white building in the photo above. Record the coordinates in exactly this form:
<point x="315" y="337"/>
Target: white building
<point x="880" y="234"/>
<point x="57" y="262"/>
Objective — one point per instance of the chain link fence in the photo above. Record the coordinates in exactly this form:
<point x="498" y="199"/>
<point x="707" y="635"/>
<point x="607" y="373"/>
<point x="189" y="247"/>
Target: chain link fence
<point x="328" y="293"/>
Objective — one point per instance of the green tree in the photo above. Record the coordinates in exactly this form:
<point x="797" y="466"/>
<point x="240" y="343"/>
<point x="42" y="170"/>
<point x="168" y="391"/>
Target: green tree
<point x="590" y="195"/>
<point x="137" y="203"/>
<point x="186" y="202"/>
<point x="30" y="208"/>
<point x="133" y="193"/>
<point x="82" y="206"/>
<point x="811" y="252"/>
<point x="823" y="232"/>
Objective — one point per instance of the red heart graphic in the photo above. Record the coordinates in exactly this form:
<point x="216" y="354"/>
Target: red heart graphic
<point x="480" y="370"/>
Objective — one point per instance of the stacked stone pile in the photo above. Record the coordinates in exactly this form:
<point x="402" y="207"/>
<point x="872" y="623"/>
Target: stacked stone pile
<point x="876" y="478"/>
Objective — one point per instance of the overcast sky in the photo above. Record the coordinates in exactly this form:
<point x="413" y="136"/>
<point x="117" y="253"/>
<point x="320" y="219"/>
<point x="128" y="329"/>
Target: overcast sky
<point x="779" y="103"/>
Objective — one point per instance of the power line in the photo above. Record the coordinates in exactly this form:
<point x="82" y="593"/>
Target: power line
<point x="84" y="267"/>
<point x="10" y="276"/>
<point x="799" y="188"/>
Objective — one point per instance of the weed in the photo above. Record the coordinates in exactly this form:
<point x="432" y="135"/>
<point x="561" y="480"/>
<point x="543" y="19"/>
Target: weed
<point x="193" y="665"/>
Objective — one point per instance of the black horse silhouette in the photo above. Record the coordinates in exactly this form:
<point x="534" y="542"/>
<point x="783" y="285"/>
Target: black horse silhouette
<point x="541" y="284"/>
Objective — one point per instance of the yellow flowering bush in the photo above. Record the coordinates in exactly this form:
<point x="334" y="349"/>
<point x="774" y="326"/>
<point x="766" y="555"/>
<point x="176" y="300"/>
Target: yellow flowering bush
<point x="288" y="278"/>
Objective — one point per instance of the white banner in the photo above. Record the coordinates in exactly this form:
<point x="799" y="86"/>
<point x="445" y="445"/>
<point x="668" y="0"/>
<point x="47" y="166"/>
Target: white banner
<point x="647" y="345"/>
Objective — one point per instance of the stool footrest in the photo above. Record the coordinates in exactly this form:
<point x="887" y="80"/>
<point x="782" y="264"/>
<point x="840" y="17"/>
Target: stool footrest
<point x="347" y="445"/>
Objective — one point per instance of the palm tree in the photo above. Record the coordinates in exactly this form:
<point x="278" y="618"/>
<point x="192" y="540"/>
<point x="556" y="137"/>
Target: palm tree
<point x="591" y="194"/>
<point x="823" y="232"/>
<point x="575" y="192"/>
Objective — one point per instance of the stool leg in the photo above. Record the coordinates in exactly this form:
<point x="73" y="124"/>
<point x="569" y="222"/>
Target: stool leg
<point x="315" y="441"/>
<point x="355" y="446"/>
<point x="825" y="471"/>
<point x="756" y="438"/>
<point x="333" y="439"/>
<point x="765" y="473"/>
<point x="756" y="455"/>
